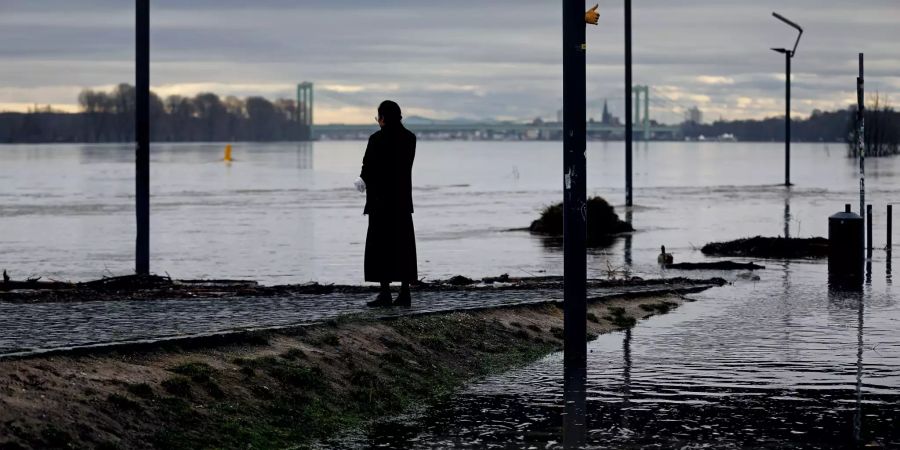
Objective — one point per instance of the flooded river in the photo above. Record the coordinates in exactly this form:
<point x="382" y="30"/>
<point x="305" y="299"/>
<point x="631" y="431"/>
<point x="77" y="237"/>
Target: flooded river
<point x="778" y="362"/>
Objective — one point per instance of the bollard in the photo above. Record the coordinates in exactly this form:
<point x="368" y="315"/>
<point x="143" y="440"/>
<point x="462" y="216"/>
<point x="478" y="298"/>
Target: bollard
<point x="890" y="219"/>
<point x="227" y="153"/>
<point x="868" y="227"/>
<point x="845" y="249"/>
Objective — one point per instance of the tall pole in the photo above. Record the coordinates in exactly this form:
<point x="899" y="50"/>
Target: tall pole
<point x="574" y="218"/>
<point x="788" y="55"/>
<point x="861" y="136"/>
<point x="787" y="120"/>
<point x="142" y="134"/>
<point x="629" y="125"/>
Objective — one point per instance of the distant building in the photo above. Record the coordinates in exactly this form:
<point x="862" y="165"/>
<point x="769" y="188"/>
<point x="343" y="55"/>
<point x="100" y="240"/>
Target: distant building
<point x="606" y="118"/>
<point x="693" y="115"/>
<point x="559" y="115"/>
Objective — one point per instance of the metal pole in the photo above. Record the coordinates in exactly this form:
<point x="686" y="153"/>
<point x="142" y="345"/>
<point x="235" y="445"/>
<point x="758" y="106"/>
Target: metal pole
<point x="890" y="227"/>
<point x="575" y="192"/>
<point x="787" y="120"/>
<point x="142" y="134"/>
<point x="629" y="125"/>
<point x="869" y="227"/>
<point x="861" y="134"/>
<point x="574" y="218"/>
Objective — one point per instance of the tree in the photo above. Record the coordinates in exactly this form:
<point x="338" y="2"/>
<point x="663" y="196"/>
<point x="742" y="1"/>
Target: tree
<point x="882" y="129"/>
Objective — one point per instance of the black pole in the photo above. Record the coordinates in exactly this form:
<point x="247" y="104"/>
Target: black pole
<point x="787" y="120"/>
<point x="629" y="125"/>
<point x="861" y="133"/>
<point x="869" y="227"/>
<point x="142" y="133"/>
<point x="574" y="204"/>
<point x="890" y="227"/>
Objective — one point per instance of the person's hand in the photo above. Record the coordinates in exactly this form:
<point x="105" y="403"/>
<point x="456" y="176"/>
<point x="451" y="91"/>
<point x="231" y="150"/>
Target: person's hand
<point x="360" y="185"/>
<point x="592" y="16"/>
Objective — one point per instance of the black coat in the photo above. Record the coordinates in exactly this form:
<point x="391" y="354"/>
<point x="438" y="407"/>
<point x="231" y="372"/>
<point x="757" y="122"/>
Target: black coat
<point x="391" y="239"/>
<point x="387" y="170"/>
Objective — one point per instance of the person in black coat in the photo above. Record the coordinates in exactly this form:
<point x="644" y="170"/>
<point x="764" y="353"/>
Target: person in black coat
<point x="386" y="178"/>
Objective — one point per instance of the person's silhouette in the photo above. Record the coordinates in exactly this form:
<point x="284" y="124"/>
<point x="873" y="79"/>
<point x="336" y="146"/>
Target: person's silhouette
<point x="387" y="179"/>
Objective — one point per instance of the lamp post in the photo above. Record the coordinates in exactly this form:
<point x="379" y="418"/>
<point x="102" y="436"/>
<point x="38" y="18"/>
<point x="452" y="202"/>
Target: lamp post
<point x="788" y="54"/>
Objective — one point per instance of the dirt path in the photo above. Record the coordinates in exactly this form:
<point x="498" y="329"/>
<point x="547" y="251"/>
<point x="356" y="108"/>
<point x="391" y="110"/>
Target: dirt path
<point x="279" y="388"/>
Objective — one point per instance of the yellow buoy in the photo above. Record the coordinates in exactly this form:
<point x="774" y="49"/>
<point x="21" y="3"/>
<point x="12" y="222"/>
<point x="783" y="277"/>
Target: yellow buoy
<point x="228" y="153"/>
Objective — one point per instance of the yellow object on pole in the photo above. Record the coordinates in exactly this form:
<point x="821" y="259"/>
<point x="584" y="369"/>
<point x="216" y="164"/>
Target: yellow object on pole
<point x="592" y="16"/>
<point x="228" y="153"/>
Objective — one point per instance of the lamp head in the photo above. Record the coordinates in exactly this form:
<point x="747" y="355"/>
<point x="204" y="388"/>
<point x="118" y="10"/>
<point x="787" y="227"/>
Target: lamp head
<point x="795" y="26"/>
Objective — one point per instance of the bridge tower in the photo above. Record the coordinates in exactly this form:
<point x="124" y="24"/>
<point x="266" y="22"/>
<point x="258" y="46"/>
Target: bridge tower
<point x="305" y="109"/>
<point x="638" y="119"/>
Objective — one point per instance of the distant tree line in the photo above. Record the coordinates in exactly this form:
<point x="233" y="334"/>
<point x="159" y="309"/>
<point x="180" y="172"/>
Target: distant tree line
<point x="109" y="117"/>
<point x="831" y="126"/>
<point x="882" y="128"/>
<point x="881" y="131"/>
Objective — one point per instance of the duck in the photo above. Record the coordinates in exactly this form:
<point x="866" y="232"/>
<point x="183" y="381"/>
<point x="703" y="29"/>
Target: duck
<point x="664" y="258"/>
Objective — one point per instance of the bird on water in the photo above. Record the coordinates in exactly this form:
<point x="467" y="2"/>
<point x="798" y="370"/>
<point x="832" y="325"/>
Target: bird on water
<point x="664" y="258"/>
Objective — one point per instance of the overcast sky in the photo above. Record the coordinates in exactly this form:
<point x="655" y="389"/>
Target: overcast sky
<point x="453" y="58"/>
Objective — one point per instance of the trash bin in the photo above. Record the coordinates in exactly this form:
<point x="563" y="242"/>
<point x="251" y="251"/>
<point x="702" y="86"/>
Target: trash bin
<point x="846" y="245"/>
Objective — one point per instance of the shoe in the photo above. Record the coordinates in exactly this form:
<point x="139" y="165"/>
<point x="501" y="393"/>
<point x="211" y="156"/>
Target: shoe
<point x="383" y="299"/>
<point x="404" y="299"/>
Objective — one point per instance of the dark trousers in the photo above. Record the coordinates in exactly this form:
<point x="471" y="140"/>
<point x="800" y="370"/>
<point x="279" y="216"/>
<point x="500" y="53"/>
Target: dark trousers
<point x="391" y="248"/>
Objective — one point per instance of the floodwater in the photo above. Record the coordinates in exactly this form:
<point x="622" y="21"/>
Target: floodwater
<point x="778" y="362"/>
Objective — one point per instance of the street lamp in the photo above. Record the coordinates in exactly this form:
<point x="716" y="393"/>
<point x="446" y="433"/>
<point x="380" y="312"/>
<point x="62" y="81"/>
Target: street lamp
<point x="788" y="54"/>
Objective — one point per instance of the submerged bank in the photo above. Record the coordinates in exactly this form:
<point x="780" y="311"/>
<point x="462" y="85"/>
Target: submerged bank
<point x="276" y="389"/>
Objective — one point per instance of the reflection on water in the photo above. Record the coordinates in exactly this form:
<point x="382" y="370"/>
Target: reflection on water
<point x="575" y="412"/>
<point x="787" y="214"/>
<point x="779" y="362"/>
<point x="785" y="362"/>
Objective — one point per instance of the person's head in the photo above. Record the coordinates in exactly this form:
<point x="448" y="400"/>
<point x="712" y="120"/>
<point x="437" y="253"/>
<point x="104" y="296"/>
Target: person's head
<point x="389" y="113"/>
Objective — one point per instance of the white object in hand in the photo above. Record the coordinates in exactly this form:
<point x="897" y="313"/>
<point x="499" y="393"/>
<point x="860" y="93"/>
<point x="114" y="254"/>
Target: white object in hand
<point x="360" y="185"/>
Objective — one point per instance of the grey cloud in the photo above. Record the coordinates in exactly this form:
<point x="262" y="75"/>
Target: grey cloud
<point x="509" y="50"/>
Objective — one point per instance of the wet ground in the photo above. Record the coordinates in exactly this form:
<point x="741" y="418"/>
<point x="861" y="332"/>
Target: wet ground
<point x="40" y="327"/>
<point x="779" y="362"/>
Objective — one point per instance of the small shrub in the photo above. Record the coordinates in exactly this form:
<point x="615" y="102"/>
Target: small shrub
<point x="329" y="339"/>
<point x="294" y="353"/>
<point x="178" y="386"/>
<point x="123" y="403"/>
<point x="141" y="390"/>
<point x="197" y="371"/>
<point x="557" y="332"/>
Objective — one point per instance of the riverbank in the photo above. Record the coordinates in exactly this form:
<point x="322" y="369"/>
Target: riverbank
<point x="280" y="388"/>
